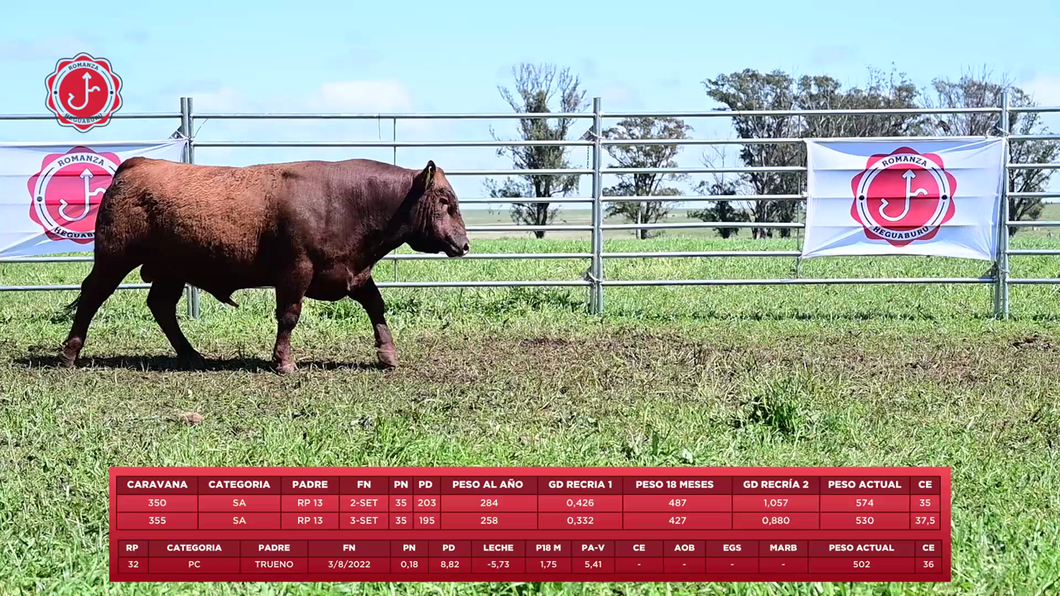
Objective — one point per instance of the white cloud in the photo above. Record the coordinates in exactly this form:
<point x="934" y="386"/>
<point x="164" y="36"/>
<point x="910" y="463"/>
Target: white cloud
<point x="47" y="48"/>
<point x="138" y="36"/>
<point x="621" y="95"/>
<point x="1044" y="88"/>
<point x="336" y="96"/>
<point x="832" y="54"/>
<point x="355" y="57"/>
<point x="363" y="96"/>
<point x="223" y="99"/>
<point x="589" y="68"/>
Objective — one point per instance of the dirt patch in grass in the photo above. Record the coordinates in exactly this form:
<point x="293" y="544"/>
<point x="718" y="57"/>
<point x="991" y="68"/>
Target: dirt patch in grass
<point x="503" y="359"/>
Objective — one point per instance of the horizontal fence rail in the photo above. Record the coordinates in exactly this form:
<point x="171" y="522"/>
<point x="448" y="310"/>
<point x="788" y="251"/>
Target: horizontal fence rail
<point x="711" y="198"/>
<point x="1033" y="223"/>
<point x="706" y="224"/>
<point x="798" y="282"/>
<point x="393" y="144"/>
<point x="595" y="142"/>
<point x="58" y="287"/>
<point x="1033" y="251"/>
<point x="835" y="112"/>
<point x="480" y="284"/>
<point x="531" y="228"/>
<point x="342" y="116"/>
<point x="700" y="253"/>
<point x="733" y="170"/>
<point x="115" y="116"/>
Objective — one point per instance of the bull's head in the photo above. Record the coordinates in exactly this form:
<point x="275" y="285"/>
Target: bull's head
<point x="438" y="225"/>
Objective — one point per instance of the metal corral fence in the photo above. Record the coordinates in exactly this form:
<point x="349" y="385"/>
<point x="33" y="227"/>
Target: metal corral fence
<point x="595" y="280"/>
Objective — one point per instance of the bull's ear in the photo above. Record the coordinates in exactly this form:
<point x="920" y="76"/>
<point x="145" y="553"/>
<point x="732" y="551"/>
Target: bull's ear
<point x="428" y="175"/>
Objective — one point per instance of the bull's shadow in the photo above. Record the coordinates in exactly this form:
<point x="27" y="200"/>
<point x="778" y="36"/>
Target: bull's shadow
<point x="160" y="363"/>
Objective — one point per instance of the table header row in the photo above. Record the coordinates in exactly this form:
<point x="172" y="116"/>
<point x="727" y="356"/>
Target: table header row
<point x="530" y="485"/>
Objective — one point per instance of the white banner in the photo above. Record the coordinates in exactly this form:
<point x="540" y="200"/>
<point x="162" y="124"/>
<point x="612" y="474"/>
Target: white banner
<point x="50" y="194"/>
<point x="916" y="197"/>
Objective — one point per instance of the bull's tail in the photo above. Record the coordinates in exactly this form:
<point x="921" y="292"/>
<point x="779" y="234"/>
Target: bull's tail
<point x="71" y="308"/>
<point x="65" y="313"/>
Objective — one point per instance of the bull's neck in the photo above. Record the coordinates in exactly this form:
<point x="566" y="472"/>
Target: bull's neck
<point x="398" y="215"/>
<point x="380" y="245"/>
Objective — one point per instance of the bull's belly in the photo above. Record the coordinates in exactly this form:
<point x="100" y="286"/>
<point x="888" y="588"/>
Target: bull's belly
<point x="222" y="278"/>
<point x="216" y="276"/>
<point x="335" y="283"/>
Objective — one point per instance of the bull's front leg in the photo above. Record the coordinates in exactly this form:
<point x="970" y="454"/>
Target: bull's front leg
<point x="372" y="301"/>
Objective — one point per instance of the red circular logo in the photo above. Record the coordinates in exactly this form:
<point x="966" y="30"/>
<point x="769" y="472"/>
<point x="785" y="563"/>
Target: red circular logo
<point x="83" y="92"/>
<point x="903" y="196"/>
<point x="65" y="194"/>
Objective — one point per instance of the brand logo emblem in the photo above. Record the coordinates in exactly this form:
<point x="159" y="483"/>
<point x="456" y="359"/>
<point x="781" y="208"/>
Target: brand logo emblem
<point x="67" y="191"/>
<point x="903" y="196"/>
<point x="83" y="92"/>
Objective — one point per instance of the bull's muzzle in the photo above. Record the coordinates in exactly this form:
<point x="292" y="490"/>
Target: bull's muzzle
<point x="458" y="247"/>
<point x="459" y="250"/>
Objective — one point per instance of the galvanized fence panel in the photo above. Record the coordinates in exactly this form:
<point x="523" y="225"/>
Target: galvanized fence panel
<point x="184" y="129"/>
<point x="595" y="279"/>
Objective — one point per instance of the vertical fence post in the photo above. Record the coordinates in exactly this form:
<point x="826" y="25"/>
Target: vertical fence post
<point x="188" y="114"/>
<point x="596" y="268"/>
<point x="393" y="138"/>
<point x="1001" y="287"/>
<point x="184" y="127"/>
<point x="185" y="131"/>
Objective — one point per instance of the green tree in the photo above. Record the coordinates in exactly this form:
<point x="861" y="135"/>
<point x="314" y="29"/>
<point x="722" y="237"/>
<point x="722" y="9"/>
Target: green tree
<point x="753" y="90"/>
<point x="980" y="91"/>
<point x="721" y="210"/>
<point x="645" y="156"/>
<point x="882" y="92"/>
<point x="777" y="91"/>
<point x="537" y="89"/>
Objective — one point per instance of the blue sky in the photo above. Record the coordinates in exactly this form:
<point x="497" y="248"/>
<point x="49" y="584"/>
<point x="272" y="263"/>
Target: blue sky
<point x="450" y="57"/>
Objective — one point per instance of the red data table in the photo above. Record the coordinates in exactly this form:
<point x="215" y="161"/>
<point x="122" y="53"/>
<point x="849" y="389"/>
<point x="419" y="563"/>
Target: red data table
<point x="530" y="524"/>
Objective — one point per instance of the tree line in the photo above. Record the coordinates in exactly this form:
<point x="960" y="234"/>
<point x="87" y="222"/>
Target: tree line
<point x="546" y="88"/>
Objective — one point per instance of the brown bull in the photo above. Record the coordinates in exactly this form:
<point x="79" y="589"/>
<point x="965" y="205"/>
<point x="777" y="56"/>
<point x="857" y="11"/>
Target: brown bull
<point x="308" y="229"/>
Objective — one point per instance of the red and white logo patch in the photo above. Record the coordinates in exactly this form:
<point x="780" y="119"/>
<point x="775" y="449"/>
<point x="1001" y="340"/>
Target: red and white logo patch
<point x="903" y="196"/>
<point x="83" y="92"/>
<point x="67" y="191"/>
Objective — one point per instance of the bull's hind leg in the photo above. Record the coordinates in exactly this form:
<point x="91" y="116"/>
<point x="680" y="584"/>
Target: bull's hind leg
<point x="372" y="301"/>
<point x="162" y="300"/>
<point x="101" y="282"/>
<point x="289" y="295"/>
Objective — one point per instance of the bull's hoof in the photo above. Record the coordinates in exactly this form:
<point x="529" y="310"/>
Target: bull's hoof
<point x="192" y="361"/>
<point x="66" y="360"/>
<point x="387" y="358"/>
<point x="71" y="350"/>
<point x="285" y="368"/>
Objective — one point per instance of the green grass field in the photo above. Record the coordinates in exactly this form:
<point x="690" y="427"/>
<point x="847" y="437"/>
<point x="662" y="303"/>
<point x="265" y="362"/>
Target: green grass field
<point x="717" y="376"/>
